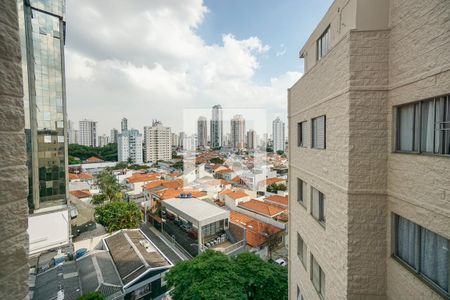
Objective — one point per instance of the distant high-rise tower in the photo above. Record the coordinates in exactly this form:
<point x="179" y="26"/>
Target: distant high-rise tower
<point x="216" y="126"/>
<point x="174" y="139"/>
<point x="278" y="135"/>
<point x="42" y="35"/>
<point x="251" y="139"/>
<point x="113" y="136"/>
<point x="88" y="133"/>
<point x="124" y="125"/>
<point x="202" y="132"/>
<point x="237" y="132"/>
<point x="103" y="140"/>
<point x="158" y="142"/>
<point x="72" y="133"/>
<point x="181" y="137"/>
<point x="129" y="146"/>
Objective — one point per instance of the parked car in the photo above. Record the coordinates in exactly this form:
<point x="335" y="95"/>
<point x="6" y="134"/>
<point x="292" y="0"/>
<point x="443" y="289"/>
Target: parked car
<point x="186" y="227"/>
<point x="281" y="262"/>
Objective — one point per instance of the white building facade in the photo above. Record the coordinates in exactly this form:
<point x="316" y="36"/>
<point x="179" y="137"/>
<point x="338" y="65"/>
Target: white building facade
<point x="158" y="142"/>
<point x="129" y="146"/>
<point x="278" y="135"/>
<point x="88" y="133"/>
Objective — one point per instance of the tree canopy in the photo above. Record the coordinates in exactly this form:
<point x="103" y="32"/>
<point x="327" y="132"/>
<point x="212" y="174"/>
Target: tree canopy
<point x="118" y="215"/>
<point x="274" y="188"/>
<point x="214" y="275"/>
<point x="107" y="153"/>
<point x="109" y="186"/>
<point x="216" y="160"/>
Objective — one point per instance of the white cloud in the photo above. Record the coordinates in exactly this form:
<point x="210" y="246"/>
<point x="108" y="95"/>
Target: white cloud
<point x="144" y="60"/>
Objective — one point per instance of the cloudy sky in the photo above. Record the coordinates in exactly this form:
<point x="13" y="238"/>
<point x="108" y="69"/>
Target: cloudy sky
<point x="154" y="59"/>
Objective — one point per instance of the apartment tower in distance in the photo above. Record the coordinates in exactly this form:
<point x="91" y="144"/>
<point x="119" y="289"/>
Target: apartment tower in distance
<point x="129" y="146"/>
<point x="158" y="142"/>
<point x="113" y="136"/>
<point x="202" y="132"/>
<point x="370" y="154"/>
<point x="237" y="126"/>
<point x="216" y="127"/>
<point x="278" y="135"/>
<point x="42" y="44"/>
<point x="124" y="125"/>
<point x="88" y="133"/>
<point x="251" y="140"/>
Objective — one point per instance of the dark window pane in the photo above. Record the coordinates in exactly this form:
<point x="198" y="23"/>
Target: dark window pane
<point x="434" y="258"/>
<point x="406" y="237"/>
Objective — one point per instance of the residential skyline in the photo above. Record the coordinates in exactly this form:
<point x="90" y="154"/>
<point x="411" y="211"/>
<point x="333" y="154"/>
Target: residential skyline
<point x="226" y="59"/>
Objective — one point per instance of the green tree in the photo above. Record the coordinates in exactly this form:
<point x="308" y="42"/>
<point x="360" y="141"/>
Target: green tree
<point x="216" y="160"/>
<point x="262" y="280"/>
<point x="107" y="153"/>
<point x="121" y="165"/>
<point x="179" y="165"/>
<point x="274" y="188"/>
<point x="99" y="199"/>
<point x="118" y="215"/>
<point x="214" y="275"/>
<point x="109" y="186"/>
<point x="280" y="152"/>
<point x="92" y="296"/>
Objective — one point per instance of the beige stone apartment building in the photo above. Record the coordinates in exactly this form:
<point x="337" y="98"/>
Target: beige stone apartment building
<point x="369" y="131"/>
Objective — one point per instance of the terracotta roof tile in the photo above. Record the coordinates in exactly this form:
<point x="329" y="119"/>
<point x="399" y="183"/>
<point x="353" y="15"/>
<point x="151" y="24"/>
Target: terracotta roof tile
<point x="143" y="177"/>
<point x="283" y="200"/>
<point x="257" y="232"/>
<point x="262" y="208"/>
<point x="80" y="193"/>
<point x="93" y="159"/>
<point x="270" y="181"/>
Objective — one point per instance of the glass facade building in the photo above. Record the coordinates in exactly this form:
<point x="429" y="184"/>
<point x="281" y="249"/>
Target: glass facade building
<point x="42" y="30"/>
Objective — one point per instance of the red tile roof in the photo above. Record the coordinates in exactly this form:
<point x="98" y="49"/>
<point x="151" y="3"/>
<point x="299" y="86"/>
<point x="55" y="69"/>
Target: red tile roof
<point x="283" y="200"/>
<point x="225" y="171"/>
<point x="174" y="193"/>
<point x="270" y="181"/>
<point x="262" y="208"/>
<point x="143" y="177"/>
<point x="81" y="176"/>
<point x="93" y="159"/>
<point x="235" y="194"/>
<point x="80" y="193"/>
<point x="170" y="184"/>
<point x="257" y="232"/>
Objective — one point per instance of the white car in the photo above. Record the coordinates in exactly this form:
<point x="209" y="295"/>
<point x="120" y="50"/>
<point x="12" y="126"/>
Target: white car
<point x="281" y="262"/>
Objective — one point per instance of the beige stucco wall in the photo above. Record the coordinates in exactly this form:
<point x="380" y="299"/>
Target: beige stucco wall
<point x="321" y="92"/>
<point x="366" y="73"/>
<point x="14" y="180"/>
<point x="418" y="185"/>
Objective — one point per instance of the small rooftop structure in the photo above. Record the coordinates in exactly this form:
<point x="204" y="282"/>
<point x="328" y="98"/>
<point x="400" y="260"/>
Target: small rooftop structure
<point x="196" y="211"/>
<point x="134" y="254"/>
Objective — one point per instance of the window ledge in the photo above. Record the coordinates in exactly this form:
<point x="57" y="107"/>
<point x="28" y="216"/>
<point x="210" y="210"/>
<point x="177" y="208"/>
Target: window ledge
<point x="422" y="278"/>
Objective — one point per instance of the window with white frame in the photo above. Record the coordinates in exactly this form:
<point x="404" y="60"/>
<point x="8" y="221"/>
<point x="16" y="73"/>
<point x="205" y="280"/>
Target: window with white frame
<point x="301" y="133"/>
<point x="323" y="44"/>
<point x="318" y="128"/>
<point x="318" y="205"/>
<point x="301" y="192"/>
<point x="424" y="127"/>
<point x="317" y="277"/>
<point x="302" y="249"/>
<point x="424" y="251"/>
